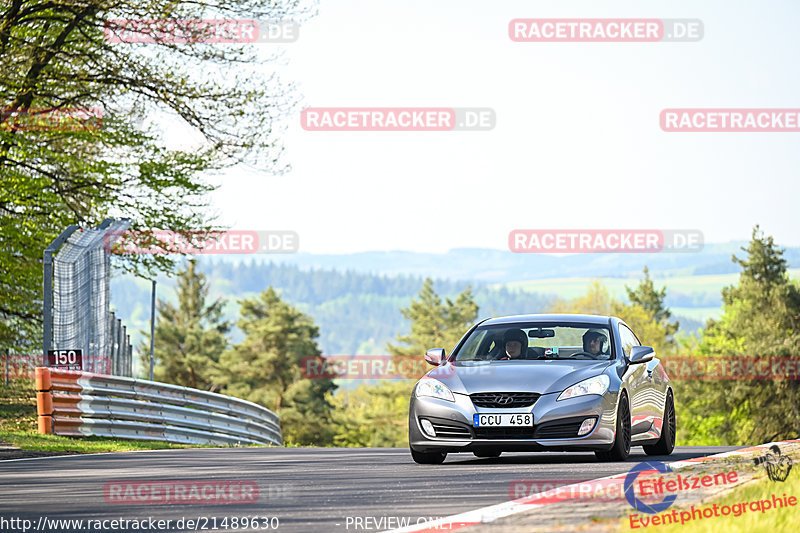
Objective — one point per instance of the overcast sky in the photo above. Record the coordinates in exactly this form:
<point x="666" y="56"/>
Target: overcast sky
<point x="577" y="142"/>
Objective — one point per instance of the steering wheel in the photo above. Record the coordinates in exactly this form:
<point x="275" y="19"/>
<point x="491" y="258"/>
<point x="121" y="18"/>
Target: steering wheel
<point x="586" y="355"/>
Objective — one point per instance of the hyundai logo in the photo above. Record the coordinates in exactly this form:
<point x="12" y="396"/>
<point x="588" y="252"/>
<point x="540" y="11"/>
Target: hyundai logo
<point x="503" y="399"/>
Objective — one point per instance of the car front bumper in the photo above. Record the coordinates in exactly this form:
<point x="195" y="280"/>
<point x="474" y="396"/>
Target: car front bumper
<point x="555" y="425"/>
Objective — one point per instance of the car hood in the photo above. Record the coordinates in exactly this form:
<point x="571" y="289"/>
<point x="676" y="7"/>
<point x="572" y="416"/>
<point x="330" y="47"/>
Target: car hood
<point x="540" y="376"/>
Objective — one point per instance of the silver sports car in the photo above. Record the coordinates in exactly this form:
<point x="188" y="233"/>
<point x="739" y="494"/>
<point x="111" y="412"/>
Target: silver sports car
<point x="543" y="382"/>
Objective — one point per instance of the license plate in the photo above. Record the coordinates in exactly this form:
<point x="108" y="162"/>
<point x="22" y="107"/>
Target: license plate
<point x="502" y="420"/>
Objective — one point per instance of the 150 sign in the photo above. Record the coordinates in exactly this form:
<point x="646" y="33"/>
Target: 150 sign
<point x="66" y="359"/>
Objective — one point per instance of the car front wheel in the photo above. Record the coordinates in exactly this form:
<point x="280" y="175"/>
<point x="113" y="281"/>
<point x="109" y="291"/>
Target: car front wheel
<point x="666" y="443"/>
<point x="622" y="436"/>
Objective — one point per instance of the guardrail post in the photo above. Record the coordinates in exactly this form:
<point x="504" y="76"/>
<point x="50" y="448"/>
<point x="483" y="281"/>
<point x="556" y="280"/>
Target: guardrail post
<point x="44" y="400"/>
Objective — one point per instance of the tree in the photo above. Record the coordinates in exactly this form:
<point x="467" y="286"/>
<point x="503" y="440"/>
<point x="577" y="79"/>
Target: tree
<point x="598" y="301"/>
<point x="372" y="415"/>
<point x="377" y="415"/>
<point x="265" y="368"/>
<point x="648" y="298"/>
<point x="189" y="339"/>
<point x="649" y="331"/>
<point x="57" y="59"/>
<point x="435" y="324"/>
<point x="761" y="319"/>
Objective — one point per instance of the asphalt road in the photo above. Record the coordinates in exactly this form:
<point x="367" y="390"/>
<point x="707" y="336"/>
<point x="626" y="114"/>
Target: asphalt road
<point x="306" y="489"/>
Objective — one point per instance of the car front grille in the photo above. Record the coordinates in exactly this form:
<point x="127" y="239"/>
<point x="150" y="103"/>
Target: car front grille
<point x="563" y="430"/>
<point x="557" y="429"/>
<point x="450" y="431"/>
<point x="504" y="400"/>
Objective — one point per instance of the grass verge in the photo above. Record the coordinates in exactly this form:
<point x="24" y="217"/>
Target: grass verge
<point x="29" y="440"/>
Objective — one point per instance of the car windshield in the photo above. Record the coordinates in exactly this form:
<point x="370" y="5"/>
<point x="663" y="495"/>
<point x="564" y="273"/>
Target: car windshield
<point x="536" y="341"/>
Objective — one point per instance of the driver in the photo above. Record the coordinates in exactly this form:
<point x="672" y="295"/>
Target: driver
<point x="593" y="342"/>
<point x="514" y="342"/>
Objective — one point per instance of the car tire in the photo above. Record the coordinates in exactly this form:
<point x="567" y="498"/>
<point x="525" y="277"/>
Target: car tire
<point x="486" y="454"/>
<point x="666" y="443"/>
<point x="428" y="458"/>
<point x="622" y="434"/>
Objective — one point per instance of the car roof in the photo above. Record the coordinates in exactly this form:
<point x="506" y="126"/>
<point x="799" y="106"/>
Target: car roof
<point x="598" y="320"/>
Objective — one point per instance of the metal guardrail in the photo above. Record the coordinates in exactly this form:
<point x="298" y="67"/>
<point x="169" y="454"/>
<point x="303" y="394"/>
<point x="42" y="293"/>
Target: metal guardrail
<point x="79" y="404"/>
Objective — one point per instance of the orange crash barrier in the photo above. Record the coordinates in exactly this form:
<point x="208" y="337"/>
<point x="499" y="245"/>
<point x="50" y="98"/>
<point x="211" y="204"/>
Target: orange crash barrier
<point x="49" y="404"/>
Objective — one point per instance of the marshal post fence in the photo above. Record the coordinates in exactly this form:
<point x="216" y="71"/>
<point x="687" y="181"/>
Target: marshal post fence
<point x="86" y="387"/>
<point x="77" y="300"/>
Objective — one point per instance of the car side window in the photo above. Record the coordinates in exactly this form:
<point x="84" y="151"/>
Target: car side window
<point x="470" y="350"/>
<point x="628" y="340"/>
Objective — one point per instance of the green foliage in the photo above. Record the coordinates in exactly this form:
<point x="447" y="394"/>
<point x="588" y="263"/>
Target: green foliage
<point x="649" y="330"/>
<point x="18" y="406"/>
<point x="265" y="368"/>
<point x="372" y="415"/>
<point x="643" y="322"/>
<point x="648" y="298"/>
<point x="377" y="415"/>
<point x="435" y="324"/>
<point x="693" y="428"/>
<point x="596" y="301"/>
<point x="56" y="56"/>
<point x="190" y="338"/>
<point x="761" y="318"/>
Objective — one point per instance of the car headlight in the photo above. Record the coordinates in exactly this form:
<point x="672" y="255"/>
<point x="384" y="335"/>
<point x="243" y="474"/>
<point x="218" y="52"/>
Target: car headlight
<point x="596" y="385"/>
<point x="434" y="389"/>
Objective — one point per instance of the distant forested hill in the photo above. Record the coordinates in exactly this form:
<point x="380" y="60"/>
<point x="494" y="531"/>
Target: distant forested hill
<point x="502" y="266"/>
<point x="356" y="312"/>
<point x="356" y="298"/>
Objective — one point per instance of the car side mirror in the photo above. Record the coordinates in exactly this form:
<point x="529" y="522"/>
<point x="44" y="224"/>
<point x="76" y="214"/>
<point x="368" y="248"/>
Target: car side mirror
<point x="641" y="354"/>
<point x="435" y="356"/>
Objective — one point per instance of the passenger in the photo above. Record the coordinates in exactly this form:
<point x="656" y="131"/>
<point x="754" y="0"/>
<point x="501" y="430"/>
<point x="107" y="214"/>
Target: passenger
<point x="515" y="343"/>
<point x="593" y="342"/>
